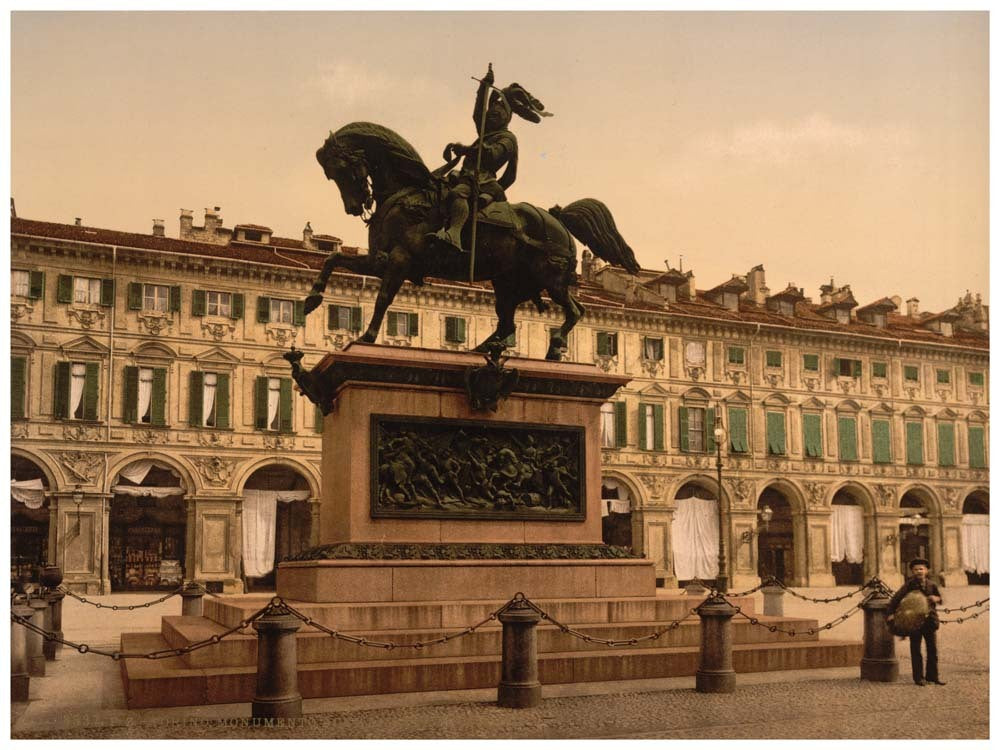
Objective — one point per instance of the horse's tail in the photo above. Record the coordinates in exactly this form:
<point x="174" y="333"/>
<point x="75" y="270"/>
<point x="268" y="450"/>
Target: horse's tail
<point x="591" y="222"/>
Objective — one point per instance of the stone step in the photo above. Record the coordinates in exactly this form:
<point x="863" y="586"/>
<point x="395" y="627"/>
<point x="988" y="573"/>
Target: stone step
<point x="314" y="646"/>
<point x="455" y="615"/>
<point x="167" y="682"/>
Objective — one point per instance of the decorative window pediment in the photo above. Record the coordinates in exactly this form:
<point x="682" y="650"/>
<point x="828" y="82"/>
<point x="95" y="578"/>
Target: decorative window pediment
<point x="849" y="406"/>
<point x="216" y="356"/>
<point x="84" y="345"/>
<point x="737" y="398"/>
<point x="776" y="400"/>
<point x="696" y="395"/>
<point x="654" y="389"/>
<point x="882" y="408"/>
<point x="915" y="412"/>
<point x="813" y="403"/>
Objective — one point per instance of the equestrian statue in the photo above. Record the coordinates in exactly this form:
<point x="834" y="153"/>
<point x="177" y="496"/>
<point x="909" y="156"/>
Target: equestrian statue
<point x="455" y="223"/>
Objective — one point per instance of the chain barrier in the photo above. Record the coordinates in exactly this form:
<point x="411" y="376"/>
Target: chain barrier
<point x="655" y="635"/>
<point x="980" y="603"/>
<point x="388" y="645"/>
<point x="83" y="648"/>
<point x="873" y="583"/>
<point x="808" y="631"/>
<point x="121" y="607"/>
<point x="973" y="616"/>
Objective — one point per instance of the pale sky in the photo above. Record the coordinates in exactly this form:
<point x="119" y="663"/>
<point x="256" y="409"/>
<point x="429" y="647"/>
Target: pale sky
<point x="852" y="145"/>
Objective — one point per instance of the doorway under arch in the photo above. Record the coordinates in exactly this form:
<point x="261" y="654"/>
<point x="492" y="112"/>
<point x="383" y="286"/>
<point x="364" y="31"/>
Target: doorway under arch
<point x="277" y="522"/>
<point x="976" y="538"/>
<point x="848" y="530"/>
<point x="914" y="539"/>
<point x="29" y="519"/>
<point x="776" y="544"/>
<point x="616" y="513"/>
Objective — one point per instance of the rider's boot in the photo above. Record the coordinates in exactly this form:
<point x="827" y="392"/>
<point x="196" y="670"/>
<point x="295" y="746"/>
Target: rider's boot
<point x="452" y="235"/>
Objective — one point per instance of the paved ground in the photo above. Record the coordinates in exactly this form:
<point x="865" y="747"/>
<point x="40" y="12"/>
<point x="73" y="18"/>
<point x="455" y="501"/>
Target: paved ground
<point x="81" y="696"/>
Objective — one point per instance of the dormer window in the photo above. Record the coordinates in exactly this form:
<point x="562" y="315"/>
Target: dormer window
<point x="785" y="308"/>
<point x="668" y="292"/>
<point x="878" y="320"/>
<point x="252" y="235"/>
<point x="843" y="315"/>
<point x="325" y="246"/>
<point x="946" y="329"/>
<point x="730" y="301"/>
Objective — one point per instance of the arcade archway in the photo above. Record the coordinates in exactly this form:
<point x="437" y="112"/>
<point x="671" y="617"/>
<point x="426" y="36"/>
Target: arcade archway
<point x="29" y="519"/>
<point x="695" y="531"/>
<point x="776" y="544"/>
<point x="277" y="522"/>
<point x="849" y="544"/>
<point x="616" y="512"/>
<point x="976" y="538"/>
<point x="915" y="530"/>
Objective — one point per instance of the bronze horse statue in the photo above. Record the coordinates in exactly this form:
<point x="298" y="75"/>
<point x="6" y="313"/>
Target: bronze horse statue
<point x="522" y="249"/>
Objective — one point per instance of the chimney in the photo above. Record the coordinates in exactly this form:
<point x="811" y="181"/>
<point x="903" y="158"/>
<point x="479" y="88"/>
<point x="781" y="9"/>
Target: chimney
<point x="212" y="220"/>
<point x="158" y="228"/>
<point x="692" y="290"/>
<point x="758" y="289"/>
<point x="78" y="222"/>
<point x="187" y="223"/>
<point x="307" y="236"/>
<point x="912" y="309"/>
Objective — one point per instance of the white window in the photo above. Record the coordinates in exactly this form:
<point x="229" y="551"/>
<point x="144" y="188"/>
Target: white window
<point x="155" y="297"/>
<point x="87" y="291"/>
<point x="281" y="311"/>
<point x="77" y="382"/>
<point x="696" y="429"/>
<point x="145" y="406"/>
<point x="20" y="283"/>
<point x="218" y="303"/>
<point x="652" y="349"/>
<point x="650" y="423"/>
<point x="274" y="402"/>
<point x="209" y="383"/>
<point x="608" y="425"/>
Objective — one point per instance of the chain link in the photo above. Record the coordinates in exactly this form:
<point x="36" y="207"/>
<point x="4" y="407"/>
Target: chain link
<point x="973" y="616"/>
<point x="873" y="583"/>
<point x="121" y="607"/>
<point x="980" y="603"/>
<point x="808" y="631"/>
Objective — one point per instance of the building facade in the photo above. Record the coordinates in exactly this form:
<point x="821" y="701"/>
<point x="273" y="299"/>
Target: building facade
<point x="157" y="436"/>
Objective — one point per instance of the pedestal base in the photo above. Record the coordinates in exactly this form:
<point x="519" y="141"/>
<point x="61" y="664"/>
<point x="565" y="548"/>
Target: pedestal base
<point x="519" y="696"/>
<point x="880" y="670"/>
<point x="277" y="709"/>
<point x="715" y="682"/>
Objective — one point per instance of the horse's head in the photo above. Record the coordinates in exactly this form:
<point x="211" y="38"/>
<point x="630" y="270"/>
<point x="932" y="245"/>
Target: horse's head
<point x="348" y="168"/>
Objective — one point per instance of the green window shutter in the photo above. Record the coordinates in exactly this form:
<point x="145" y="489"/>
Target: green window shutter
<point x="914" y="443"/>
<point x="130" y="394"/>
<point x="857" y="368"/>
<point x="60" y="391"/>
<point x="911" y="373"/>
<point x="263" y="309"/>
<point x="461" y="330"/>
<point x="390" y="324"/>
<point x="836" y="366"/>
<point x="134" y="296"/>
<point x="621" y="428"/>
<point x="18" y="371"/>
<point x="175" y="299"/>
<point x="449" y="329"/>
<point x="736" y="355"/>
<point x="658" y="427"/>
<point x="977" y="448"/>
<point x="944" y="376"/>
<point x="107" y="292"/>
<point x="299" y="313"/>
<point x="642" y="428"/>
<point x="356" y="319"/>
<point x="812" y="435"/>
<point x="260" y="403"/>
<point x="196" y="389"/>
<point x="810" y="362"/>
<point x="976" y="378"/>
<point x="881" y="442"/>
<point x="331" y="317"/>
<point x="775" y="433"/>
<point x="946" y="444"/>
<point x="317" y="419"/>
<point x="878" y="369"/>
<point x="91" y="385"/>
<point x="613" y="341"/>
<point x="847" y="437"/>
<point x="198" y="303"/>
<point x="414" y="327"/>
<point x="682" y="426"/>
<point x="222" y="401"/>
<point x="285" y="405"/>
<point x="603" y="344"/>
<point x="236" y="309"/>
<point x="710" y="430"/>
<point x="158" y="405"/>
<point x="36" y="284"/>
<point x="64" y="289"/>
<point x="737" y="430"/>
<point x="773" y="359"/>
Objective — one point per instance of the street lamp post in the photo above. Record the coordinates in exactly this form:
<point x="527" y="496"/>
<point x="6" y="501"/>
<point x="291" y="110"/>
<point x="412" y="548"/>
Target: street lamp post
<point x="721" y="580"/>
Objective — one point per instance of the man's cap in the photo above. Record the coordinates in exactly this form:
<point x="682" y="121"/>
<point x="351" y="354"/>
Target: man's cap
<point x="919" y="561"/>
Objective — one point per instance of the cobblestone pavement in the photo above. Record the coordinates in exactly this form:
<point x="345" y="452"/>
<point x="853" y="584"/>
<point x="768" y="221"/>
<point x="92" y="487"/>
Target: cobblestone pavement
<point x="82" y="698"/>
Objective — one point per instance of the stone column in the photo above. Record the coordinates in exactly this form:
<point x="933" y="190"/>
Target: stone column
<point x="52" y="648"/>
<point x="878" y="662"/>
<point x="192" y="603"/>
<point x="519" y="686"/>
<point x="19" y="660"/>
<point x="36" y="653"/>
<point x="277" y="694"/>
<point x="715" y="673"/>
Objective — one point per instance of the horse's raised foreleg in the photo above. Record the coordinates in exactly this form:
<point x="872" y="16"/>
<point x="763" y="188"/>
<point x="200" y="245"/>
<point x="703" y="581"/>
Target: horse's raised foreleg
<point x="363" y="264"/>
<point x="573" y="312"/>
<point x="392" y="279"/>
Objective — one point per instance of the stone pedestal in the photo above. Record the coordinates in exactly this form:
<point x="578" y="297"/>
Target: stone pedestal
<point x="191" y="600"/>
<point x="774" y="601"/>
<point x="52" y="648"/>
<point x="519" y="686"/>
<point x="715" y="673"/>
<point x="277" y="694"/>
<point x="36" y="648"/>
<point x="879" y="663"/>
<point x="19" y="678"/>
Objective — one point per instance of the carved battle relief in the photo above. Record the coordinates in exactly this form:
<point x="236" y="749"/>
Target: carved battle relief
<point x="449" y="468"/>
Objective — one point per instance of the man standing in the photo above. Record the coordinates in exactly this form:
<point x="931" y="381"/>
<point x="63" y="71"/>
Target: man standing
<point x="927" y="632"/>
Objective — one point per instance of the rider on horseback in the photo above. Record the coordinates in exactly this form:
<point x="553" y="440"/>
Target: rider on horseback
<point x="499" y="148"/>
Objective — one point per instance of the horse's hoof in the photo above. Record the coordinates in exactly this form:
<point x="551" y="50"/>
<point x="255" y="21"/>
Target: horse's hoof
<point x="368" y="338"/>
<point x="312" y="302"/>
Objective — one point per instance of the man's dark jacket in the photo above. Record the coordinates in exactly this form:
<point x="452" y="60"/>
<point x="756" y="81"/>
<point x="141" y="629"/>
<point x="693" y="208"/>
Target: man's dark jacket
<point x="929" y="589"/>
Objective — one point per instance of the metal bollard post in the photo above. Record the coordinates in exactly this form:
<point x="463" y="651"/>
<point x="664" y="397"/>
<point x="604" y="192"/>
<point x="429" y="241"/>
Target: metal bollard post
<point x="715" y="673"/>
<point x="36" y="649"/>
<point x="878" y="662"/>
<point x="192" y="604"/>
<point x="19" y="677"/>
<point x="51" y="648"/>
<point x="277" y="694"/>
<point x="774" y="600"/>
<point x="519" y="686"/>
